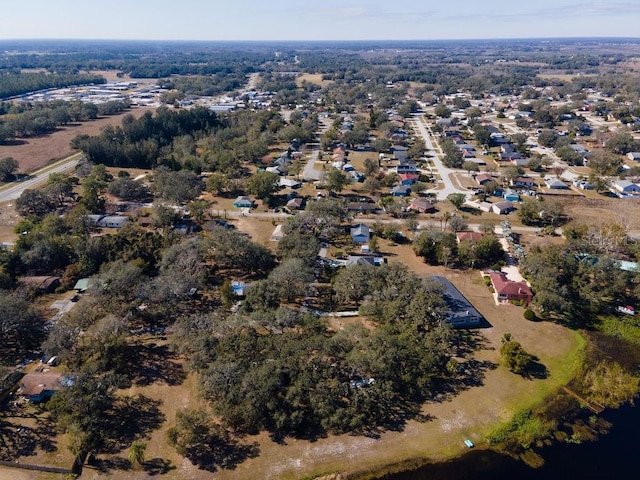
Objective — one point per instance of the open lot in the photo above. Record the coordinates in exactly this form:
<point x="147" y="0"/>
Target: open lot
<point x="36" y="152"/>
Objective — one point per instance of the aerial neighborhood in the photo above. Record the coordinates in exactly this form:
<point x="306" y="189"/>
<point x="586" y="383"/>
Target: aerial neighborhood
<point x="257" y="258"/>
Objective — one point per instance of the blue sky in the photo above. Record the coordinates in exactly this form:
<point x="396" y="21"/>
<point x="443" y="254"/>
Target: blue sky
<point x="317" y="19"/>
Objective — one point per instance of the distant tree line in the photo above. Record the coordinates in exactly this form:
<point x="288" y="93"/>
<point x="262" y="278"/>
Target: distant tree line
<point x="32" y="119"/>
<point x="12" y="84"/>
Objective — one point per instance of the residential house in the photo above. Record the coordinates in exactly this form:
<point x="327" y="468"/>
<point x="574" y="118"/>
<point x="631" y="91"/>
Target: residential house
<point x="362" y="207"/>
<point x="556" y="184"/>
<point x="502" y="208"/>
<point x="360" y="233"/>
<point x="295" y="203"/>
<point x="400" y="191"/>
<point x="525" y="182"/>
<point x="625" y="187"/>
<point x="399" y="152"/>
<point x="38" y="387"/>
<point x="485" y="206"/>
<point x="635" y="156"/>
<point x="108" y="221"/>
<point x="509" y="157"/>
<point x="409" y="178"/>
<point x="472" y="237"/>
<point x="421" y="205"/>
<point x="460" y="312"/>
<point x="290" y="183"/>
<point x="583" y="185"/>
<point x="511" y="196"/>
<point x="243" y="202"/>
<point x="579" y="148"/>
<point x="367" y="260"/>
<point x="508" y="290"/>
<point x="406" y="166"/>
<point x="520" y="162"/>
<point x="484" y="178"/>
<point x="278" y="170"/>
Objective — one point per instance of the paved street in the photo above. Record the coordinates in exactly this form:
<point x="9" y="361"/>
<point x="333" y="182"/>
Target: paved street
<point x="15" y="189"/>
<point x="444" y="173"/>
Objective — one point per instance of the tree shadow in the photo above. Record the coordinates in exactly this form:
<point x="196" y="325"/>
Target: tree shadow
<point x="536" y="370"/>
<point x="108" y="464"/>
<point x="131" y="418"/>
<point x="19" y="441"/>
<point x="470" y="210"/>
<point x="157" y="466"/>
<point x="225" y="455"/>
<point x="155" y="363"/>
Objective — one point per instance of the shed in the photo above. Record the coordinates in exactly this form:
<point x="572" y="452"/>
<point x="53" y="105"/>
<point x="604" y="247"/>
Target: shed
<point x="84" y="284"/>
<point x="42" y="283"/>
<point x="277" y="234"/>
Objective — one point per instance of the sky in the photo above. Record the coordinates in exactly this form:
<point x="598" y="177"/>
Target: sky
<point x="317" y="19"/>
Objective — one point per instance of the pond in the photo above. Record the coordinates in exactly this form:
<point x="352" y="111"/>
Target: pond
<point x="613" y="456"/>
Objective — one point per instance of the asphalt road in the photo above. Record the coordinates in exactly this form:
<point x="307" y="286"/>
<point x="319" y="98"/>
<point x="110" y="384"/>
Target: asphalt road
<point x="14" y="190"/>
<point x="443" y="172"/>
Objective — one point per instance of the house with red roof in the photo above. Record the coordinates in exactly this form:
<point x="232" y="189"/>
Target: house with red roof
<point x="409" y="178"/>
<point x="508" y="290"/>
<point x="472" y="237"/>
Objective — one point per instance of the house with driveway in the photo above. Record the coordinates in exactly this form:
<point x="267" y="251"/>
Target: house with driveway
<point x="509" y="290"/>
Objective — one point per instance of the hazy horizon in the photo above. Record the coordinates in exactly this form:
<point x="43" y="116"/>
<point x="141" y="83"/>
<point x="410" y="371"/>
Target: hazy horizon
<point x="331" y="20"/>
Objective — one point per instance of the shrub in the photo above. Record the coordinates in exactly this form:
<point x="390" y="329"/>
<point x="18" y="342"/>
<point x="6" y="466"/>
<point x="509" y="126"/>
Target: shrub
<point x="529" y="315"/>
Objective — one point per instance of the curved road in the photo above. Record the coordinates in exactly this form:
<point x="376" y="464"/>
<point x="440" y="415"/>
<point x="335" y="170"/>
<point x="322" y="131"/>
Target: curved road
<point x="13" y="190"/>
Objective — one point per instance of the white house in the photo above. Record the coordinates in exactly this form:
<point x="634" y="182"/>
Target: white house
<point x="625" y="186"/>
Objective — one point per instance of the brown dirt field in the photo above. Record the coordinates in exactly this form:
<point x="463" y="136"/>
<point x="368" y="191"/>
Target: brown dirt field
<point x="37" y="152"/>
<point x="604" y="209"/>
<point x="259" y="229"/>
<point x="313" y="78"/>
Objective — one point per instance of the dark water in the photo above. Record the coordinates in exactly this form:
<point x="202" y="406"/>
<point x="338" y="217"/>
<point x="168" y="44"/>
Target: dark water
<point x="614" y="456"/>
